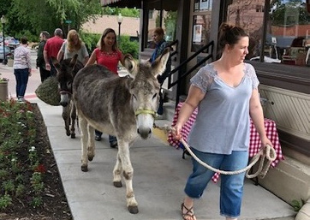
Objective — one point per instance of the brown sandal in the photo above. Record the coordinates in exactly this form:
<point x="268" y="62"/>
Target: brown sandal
<point x="189" y="212"/>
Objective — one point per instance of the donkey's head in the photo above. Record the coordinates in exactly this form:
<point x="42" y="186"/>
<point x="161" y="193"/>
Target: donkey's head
<point x="66" y="70"/>
<point x="144" y="90"/>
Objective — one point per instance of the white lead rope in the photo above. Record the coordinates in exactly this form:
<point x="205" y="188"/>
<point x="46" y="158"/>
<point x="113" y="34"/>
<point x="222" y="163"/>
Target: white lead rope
<point x="267" y="152"/>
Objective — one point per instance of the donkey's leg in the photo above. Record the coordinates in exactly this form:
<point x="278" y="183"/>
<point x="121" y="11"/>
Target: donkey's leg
<point x="73" y="118"/>
<point x="123" y="151"/>
<point x="84" y="141"/>
<point x="117" y="179"/>
<point x="66" y="118"/>
<point x="91" y="143"/>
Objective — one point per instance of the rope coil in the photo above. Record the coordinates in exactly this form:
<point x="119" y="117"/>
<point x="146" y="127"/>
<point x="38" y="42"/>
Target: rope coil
<point x="267" y="153"/>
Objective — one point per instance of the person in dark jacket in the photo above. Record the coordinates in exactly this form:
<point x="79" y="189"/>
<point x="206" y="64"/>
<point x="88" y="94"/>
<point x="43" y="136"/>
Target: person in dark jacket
<point x="161" y="45"/>
<point x="44" y="73"/>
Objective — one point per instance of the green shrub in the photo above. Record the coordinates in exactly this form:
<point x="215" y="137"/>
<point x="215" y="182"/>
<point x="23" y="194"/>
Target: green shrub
<point x="127" y="46"/>
<point x="90" y="40"/>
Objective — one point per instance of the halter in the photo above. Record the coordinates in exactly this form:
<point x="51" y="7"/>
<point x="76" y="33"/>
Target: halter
<point x="145" y="111"/>
<point x="63" y="92"/>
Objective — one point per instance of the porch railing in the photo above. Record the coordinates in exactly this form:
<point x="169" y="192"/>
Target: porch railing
<point x="208" y="48"/>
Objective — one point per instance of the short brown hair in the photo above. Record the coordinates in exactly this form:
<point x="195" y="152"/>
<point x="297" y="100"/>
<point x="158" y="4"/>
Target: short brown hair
<point x="159" y="31"/>
<point x="230" y="34"/>
<point x="24" y="40"/>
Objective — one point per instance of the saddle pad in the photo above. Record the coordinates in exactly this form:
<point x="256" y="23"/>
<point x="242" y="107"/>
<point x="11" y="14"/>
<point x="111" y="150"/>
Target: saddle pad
<point x="48" y="91"/>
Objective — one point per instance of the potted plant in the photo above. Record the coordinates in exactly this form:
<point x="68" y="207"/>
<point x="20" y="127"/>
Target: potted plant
<point x="3" y="88"/>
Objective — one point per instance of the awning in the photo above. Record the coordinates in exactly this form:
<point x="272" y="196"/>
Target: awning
<point x="108" y="2"/>
<point x="122" y="3"/>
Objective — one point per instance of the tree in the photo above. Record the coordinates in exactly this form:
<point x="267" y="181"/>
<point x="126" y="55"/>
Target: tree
<point x="24" y="15"/>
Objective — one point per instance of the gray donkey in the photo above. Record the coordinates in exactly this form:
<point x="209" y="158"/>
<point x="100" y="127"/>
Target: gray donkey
<point x="121" y="106"/>
<point x="66" y="71"/>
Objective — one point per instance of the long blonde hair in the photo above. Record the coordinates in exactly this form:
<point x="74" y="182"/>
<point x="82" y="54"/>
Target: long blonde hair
<point x="72" y="46"/>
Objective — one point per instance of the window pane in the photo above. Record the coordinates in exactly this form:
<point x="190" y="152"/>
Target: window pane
<point x="250" y="16"/>
<point x="288" y="32"/>
<point x="288" y="29"/>
<point x="202" y="5"/>
<point x="168" y="24"/>
<point x="200" y="31"/>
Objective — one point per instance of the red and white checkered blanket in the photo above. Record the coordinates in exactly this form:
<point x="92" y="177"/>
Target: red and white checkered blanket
<point x="255" y="143"/>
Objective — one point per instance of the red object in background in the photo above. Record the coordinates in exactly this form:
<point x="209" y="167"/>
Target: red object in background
<point x="308" y="6"/>
<point x="255" y="143"/>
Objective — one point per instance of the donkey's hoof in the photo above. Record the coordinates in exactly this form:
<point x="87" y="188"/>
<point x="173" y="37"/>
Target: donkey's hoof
<point x="84" y="168"/>
<point x="90" y="158"/>
<point x="72" y="135"/>
<point x="133" y="209"/>
<point x="118" y="184"/>
<point x="68" y="133"/>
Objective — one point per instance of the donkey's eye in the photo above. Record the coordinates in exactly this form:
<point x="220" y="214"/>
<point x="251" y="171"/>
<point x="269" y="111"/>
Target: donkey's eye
<point x="135" y="98"/>
<point x="69" y="84"/>
<point x="154" y="96"/>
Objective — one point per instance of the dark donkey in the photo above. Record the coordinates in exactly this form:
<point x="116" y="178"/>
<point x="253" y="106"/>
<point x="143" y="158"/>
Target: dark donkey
<point x="121" y="106"/>
<point x="66" y="71"/>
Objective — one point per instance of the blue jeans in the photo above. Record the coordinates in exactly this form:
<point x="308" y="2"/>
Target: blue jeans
<point x="53" y="71"/>
<point x="21" y="76"/>
<point x="231" y="185"/>
<point x="111" y="138"/>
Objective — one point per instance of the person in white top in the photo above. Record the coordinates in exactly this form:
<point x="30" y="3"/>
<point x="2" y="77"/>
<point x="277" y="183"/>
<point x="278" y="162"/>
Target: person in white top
<point x="73" y="45"/>
<point x="22" y="68"/>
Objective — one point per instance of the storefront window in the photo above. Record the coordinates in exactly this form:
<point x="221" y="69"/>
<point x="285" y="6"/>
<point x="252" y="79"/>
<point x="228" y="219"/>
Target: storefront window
<point x="288" y="29"/>
<point x="168" y="24"/>
<point x="248" y="14"/>
<point x="201" y="24"/>
<point x="288" y="32"/>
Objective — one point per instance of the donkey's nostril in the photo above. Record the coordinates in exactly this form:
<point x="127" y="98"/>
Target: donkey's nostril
<point x="64" y="104"/>
<point x="138" y="131"/>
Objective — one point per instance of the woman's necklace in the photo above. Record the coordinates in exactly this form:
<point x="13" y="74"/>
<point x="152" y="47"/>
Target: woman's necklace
<point x="109" y="53"/>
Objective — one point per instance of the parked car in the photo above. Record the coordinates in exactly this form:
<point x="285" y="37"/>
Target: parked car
<point x="11" y="42"/>
<point x="7" y="50"/>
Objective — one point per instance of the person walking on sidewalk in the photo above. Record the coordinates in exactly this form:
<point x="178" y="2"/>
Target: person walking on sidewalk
<point x="226" y="94"/>
<point x="107" y="55"/>
<point x="44" y="73"/>
<point x="51" y="49"/>
<point x="22" y="68"/>
<point x="73" y="45"/>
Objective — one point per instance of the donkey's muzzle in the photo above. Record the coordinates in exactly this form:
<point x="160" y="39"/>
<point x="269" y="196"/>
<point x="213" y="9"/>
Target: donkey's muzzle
<point x="64" y="99"/>
<point x="144" y="132"/>
<point x="64" y="104"/>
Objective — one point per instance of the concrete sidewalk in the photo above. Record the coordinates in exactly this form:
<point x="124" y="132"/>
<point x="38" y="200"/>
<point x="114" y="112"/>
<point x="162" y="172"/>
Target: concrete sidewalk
<point x="159" y="177"/>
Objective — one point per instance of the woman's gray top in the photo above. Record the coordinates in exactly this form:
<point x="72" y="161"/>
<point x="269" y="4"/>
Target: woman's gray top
<point x="223" y="123"/>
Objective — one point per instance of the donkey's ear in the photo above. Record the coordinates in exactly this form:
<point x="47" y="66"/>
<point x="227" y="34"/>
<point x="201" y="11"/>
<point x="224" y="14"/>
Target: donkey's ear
<point x="130" y="65"/>
<point x="159" y="65"/>
<point x="73" y="60"/>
